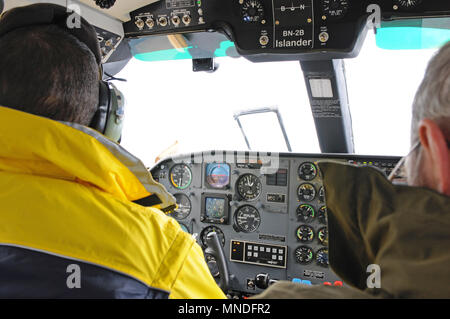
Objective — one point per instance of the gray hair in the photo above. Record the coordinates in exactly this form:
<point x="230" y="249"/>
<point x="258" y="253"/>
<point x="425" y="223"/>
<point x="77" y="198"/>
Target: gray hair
<point x="432" y="100"/>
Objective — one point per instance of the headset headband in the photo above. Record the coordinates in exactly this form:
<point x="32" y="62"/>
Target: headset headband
<point x="50" y="14"/>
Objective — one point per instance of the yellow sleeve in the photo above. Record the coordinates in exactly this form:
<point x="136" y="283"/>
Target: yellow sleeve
<point x="194" y="281"/>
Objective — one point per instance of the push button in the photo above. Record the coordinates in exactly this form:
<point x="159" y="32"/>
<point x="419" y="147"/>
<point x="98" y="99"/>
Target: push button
<point x="299" y="281"/>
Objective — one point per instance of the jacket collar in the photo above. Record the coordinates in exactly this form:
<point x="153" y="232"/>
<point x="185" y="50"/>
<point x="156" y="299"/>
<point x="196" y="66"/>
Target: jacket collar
<point x="35" y="145"/>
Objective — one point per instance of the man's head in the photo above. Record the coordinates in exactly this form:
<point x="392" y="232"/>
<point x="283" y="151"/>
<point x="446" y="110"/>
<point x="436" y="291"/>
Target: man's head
<point x="429" y="165"/>
<point x="46" y="71"/>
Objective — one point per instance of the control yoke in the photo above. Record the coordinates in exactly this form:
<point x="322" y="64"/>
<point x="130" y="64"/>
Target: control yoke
<point x="215" y="249"/>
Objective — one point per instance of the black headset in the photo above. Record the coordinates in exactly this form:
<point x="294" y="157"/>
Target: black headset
<point x="108" y="118"/>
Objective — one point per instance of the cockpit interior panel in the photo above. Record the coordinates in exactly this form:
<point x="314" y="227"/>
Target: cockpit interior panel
<point x="276" y="30"/>
<point x="272" y="225"/>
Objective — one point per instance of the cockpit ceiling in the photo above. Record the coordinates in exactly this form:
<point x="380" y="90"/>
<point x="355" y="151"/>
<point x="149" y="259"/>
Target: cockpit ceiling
<point x="121" y="8"/>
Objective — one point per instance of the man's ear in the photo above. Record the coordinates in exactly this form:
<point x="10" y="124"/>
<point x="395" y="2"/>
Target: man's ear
<point x="436" y="158"/>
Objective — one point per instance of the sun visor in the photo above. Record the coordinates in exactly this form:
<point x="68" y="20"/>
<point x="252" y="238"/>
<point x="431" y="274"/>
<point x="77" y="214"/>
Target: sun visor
<point x="413" y="34"/>
<point x="189" y="46"/>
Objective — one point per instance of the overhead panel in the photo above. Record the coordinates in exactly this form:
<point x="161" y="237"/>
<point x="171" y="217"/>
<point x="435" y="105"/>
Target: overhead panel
<point x="121" y="8"/>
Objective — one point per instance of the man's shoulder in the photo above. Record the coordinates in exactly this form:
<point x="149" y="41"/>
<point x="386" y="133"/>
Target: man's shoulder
<point x="164" y="223"/>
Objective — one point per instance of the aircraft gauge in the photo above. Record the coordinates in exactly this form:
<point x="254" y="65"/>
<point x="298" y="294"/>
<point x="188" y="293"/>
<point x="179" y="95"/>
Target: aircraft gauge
<point x="249" y="187"/>
<point x="210" y="229"/>
<point x="181" y="176"/>
<point x="306" y="192"/>
<point x="247" y="219"/>
<point x="322" y="235"/>
<point x="307" y="171"/>
<point x="335" y="8"/>
<point x="218" y="175"/>
<point x="252" y="11"/>
<point x="184" y="206"/>
<point x="305" y="213"/>
<point x="322" y="215"/>
<point x="322" y="257"/>
<point x="304" y="255"/>
<point x="305" y="233"/>
<point x="322" y="195"/>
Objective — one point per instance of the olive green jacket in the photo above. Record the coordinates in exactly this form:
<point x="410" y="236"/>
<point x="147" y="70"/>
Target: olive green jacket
<point x="405" y="230"/>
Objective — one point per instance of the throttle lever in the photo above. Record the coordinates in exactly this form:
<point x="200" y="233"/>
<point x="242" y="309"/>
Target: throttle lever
<point x="263" y="281"/>
<point x="214" y="248"/>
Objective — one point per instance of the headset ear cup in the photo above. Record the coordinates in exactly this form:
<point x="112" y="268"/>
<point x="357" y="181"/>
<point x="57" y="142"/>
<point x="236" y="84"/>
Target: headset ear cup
<point x="116" y="114"/>
<point x="100" y="118"/>
<point x="108" y="119"/>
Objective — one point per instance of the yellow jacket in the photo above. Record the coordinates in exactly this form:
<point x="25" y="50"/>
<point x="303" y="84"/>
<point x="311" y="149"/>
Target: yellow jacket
<point x="66" y="197"/>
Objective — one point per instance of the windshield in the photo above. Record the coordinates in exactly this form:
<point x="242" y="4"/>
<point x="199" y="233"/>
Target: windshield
<point x="169" y="107"/>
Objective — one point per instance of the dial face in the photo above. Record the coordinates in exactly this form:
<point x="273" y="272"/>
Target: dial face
<point x="322" y="257"/>
<point x="322" y="235"/>
<point x="304" y="255"/>
<point x="305" y="213"/>
<point x="306" y="192"/>
<point x="249" y="187"/>
<point x="210" y="229"/>
<point x="181" y="176"/>
<point x="408" y="3"/>
<point x="247" y="219"/>
<point x="305" y="233"/>
<point x="322" y="195"/>
<point x="335" y="8"/>
<point x="184" y="206"/>
<point x="252" y="11"/>
<point x="322" y="215"/>
<point x="307" y="171"/>
<point x="218" y="175"/>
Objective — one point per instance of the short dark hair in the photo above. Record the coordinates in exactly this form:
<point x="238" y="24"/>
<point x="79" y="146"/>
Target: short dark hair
<point x="48" y="72"/>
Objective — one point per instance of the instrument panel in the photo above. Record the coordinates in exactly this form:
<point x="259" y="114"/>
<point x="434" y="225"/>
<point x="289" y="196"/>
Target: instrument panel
<point x="271" y="223"/>
<point x="274" y="30"/>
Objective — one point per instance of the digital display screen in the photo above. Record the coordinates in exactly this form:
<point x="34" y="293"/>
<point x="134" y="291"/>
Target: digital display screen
<point x="215" y="207"/>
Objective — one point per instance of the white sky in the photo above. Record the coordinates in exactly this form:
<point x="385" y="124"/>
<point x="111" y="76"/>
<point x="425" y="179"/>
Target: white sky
<point x="167" y="102"/>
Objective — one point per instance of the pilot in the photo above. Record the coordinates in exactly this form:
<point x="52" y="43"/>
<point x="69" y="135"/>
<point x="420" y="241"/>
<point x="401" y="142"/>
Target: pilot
<point x="386" y="240"/>
<point x="69" y="227"/>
